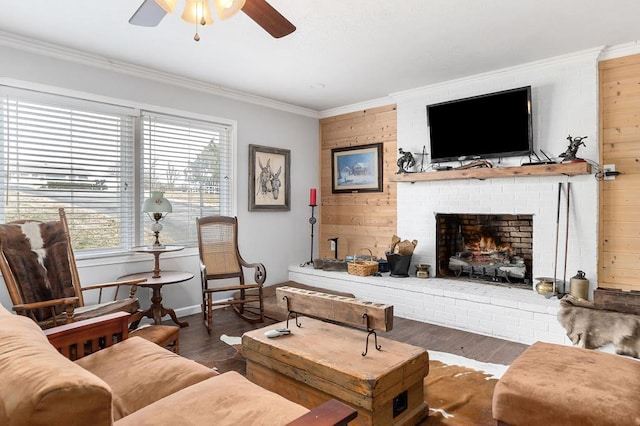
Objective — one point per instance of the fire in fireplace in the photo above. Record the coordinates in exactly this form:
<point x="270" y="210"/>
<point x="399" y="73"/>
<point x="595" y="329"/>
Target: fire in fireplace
<point x="490" y="247"/>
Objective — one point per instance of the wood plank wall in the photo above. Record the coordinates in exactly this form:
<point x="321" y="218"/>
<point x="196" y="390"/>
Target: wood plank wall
<point x="619" y="249"/>
<point x="365" y="220"/>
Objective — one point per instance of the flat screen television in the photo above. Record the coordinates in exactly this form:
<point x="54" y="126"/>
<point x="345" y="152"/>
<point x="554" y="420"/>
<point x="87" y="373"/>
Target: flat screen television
<point x="487" y="126"/>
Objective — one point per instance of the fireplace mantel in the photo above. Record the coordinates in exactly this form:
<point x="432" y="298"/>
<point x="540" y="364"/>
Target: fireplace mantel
<point x="568" y="169"/>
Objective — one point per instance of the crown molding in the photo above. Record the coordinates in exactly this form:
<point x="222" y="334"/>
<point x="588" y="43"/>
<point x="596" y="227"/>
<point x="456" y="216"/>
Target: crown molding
<point x="420" y="92"/>
<point x="620" y="50"/>
<point x="373" y="103"/>
<point x="65" y="53"/>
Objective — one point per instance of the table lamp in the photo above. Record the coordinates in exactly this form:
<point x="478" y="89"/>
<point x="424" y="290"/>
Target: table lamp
<point x="157" y="207"/>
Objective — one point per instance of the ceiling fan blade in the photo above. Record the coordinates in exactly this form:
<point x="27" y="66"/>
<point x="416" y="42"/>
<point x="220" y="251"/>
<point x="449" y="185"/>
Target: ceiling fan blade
<point x="268" y="18"/>
<point x="149" y="14"/>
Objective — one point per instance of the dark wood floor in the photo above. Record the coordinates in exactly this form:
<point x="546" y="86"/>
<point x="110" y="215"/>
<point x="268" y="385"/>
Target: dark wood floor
<point x="209" y="350"/>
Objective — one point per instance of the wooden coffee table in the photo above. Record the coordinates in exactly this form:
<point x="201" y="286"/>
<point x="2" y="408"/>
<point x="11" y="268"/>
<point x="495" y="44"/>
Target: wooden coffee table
<point x="320" y="361"/>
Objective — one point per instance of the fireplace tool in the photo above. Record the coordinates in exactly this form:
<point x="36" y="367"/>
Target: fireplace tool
<point x="555" y="258"/>
<point x="566" y="246"/>
<point x="550" y="287"/>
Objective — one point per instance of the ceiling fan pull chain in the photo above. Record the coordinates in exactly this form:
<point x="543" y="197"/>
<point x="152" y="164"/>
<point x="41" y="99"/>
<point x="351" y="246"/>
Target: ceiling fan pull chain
<point x="197" y="36"/>
<point x="199" y="12"/>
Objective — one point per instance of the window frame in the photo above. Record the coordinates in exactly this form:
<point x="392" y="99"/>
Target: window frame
<point x="136" y="110"/>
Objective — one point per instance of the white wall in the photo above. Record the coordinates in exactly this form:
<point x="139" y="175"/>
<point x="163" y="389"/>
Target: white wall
<point x="564" y="101"/>
<point x="276" y="239"/>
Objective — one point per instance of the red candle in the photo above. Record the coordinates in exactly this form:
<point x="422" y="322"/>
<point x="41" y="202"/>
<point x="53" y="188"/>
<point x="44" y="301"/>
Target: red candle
<point x="312" y="197"/>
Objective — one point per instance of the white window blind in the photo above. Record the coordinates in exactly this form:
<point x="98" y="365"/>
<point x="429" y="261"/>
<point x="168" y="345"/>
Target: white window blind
<point x="191" y="162"/>
<point x="64" y="152"/>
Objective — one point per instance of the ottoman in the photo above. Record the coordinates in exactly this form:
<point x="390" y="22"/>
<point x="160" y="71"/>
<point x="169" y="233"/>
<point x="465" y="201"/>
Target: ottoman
<point x="167" y="336"/>
<point x="553" y="384"/>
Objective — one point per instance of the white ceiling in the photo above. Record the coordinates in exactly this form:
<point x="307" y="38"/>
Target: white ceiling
<point x="359" y="50"/>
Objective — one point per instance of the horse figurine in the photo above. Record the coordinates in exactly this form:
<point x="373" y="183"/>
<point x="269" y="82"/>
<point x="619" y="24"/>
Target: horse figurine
<point x="405" y="162"/>
<point x="572" y="149"/>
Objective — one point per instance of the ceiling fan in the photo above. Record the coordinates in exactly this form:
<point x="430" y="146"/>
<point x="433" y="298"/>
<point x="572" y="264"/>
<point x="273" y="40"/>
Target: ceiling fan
<point x="197" y="12"/>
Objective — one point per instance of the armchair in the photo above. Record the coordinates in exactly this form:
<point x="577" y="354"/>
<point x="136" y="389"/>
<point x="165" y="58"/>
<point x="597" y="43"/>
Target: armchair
<point x="220" y="259"/>
<point x="41" y="275"/>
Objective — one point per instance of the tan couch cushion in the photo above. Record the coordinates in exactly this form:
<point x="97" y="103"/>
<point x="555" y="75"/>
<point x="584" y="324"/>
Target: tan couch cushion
<point x="564" y="385"/>
<point x="42" y="387"/>
<point x="226" y="400"/>
<point x="140" y="372"/>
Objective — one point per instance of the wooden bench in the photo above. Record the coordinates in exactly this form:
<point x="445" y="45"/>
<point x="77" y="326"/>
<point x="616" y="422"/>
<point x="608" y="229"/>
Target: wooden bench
<point x="320" y="360"/>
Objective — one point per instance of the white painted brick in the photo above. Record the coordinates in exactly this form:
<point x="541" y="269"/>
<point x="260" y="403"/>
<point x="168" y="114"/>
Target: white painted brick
<point x="548" y="337"/>
<point x="500" y="301"/>
<point x="500" y="319"/>
<point x="466" y="304"/>
<point x="519" y="314"/>
<point x="534" y="325"/>
<point x="448" y="317"/>
<point x="533" y="307"/>
<point x="533" y="318"/>
<point x="478" y="314"/>
<point x="456" y="310"/>
<point x="492" y="325"/>
<point x="519" y="330"/>
<point x="549" y="319"/>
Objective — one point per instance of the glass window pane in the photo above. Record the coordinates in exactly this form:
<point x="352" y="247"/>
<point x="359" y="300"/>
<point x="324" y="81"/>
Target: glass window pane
<point x="188" y="160"/>
<point x="80" y="159"/>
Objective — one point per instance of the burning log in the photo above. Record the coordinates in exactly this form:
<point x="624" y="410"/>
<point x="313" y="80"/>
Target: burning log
<point x="487" y="266"/>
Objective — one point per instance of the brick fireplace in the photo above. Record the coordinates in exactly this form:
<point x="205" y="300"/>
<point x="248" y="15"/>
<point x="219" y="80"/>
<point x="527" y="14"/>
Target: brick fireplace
<point x="420" y="204"/>
<point x="496" y="248"/>
<point x="510" y="312"/>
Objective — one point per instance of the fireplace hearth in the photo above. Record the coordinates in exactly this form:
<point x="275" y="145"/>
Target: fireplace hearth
<point x="495" y="248"/>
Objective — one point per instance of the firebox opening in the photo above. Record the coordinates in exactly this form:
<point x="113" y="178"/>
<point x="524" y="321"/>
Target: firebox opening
<point x="496" y="248"/>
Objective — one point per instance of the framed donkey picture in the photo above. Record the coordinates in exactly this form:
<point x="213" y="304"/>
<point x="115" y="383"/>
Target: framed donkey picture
<point x="269" y="178"/>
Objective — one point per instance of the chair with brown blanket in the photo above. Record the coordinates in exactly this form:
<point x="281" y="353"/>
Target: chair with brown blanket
<point x="220" y="259"/>
<point x="40" y="272"/>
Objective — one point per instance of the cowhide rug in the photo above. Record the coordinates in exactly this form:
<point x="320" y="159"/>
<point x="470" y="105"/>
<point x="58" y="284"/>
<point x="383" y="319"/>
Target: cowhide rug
<point x="458" y="390"/>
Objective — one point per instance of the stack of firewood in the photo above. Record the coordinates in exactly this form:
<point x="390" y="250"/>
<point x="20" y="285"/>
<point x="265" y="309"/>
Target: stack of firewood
<point x="405" y="247"/>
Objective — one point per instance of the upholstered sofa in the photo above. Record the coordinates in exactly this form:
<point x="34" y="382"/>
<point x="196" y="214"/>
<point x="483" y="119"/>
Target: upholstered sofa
<point x="131" y="382"/>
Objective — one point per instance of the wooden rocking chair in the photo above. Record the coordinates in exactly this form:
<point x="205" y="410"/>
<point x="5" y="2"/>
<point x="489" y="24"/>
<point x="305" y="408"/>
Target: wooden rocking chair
<point x="41" y="275"/>
<point x="220" y="259"/>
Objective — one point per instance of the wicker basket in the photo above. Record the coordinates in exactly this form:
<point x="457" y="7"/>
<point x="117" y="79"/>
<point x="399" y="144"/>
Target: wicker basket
<point x="362" y="268"/>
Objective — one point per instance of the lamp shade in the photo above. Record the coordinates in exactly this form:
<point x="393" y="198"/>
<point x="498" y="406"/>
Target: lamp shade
<point x="228" y="8"/>
<point x="197" y="12"/>
<point x="157" y="204"/>
<point x="167" y="5"/>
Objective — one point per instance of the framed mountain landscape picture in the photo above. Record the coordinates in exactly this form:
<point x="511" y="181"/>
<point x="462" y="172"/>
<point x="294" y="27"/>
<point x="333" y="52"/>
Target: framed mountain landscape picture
<point x="356" y="169"/>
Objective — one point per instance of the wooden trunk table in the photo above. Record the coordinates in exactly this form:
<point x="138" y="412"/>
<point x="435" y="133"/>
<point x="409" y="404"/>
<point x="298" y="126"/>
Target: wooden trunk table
<point x="320" y="361"/>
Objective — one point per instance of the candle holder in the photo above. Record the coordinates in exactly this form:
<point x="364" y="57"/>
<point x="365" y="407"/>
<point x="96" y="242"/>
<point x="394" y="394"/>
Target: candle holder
<point x="312" y="221"/>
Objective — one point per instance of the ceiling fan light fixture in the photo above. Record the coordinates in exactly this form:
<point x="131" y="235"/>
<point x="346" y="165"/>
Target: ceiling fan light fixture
<point x="168" y="5"/>
<point x="197" y="12"/>
<point x="227" y="8"/>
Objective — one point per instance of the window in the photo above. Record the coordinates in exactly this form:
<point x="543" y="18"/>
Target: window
<point x="190" y="161"/>
<point x="88" y="158"/>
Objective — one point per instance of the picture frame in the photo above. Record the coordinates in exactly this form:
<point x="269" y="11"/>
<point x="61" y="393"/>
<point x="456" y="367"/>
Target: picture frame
<point x="356" y="169"/>
<point x="269" y="178"/>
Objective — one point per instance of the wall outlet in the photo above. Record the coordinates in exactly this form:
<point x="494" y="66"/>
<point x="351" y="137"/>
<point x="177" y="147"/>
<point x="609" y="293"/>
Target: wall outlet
<point x="608" y="168"/>
<point x="333" y="245"/>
